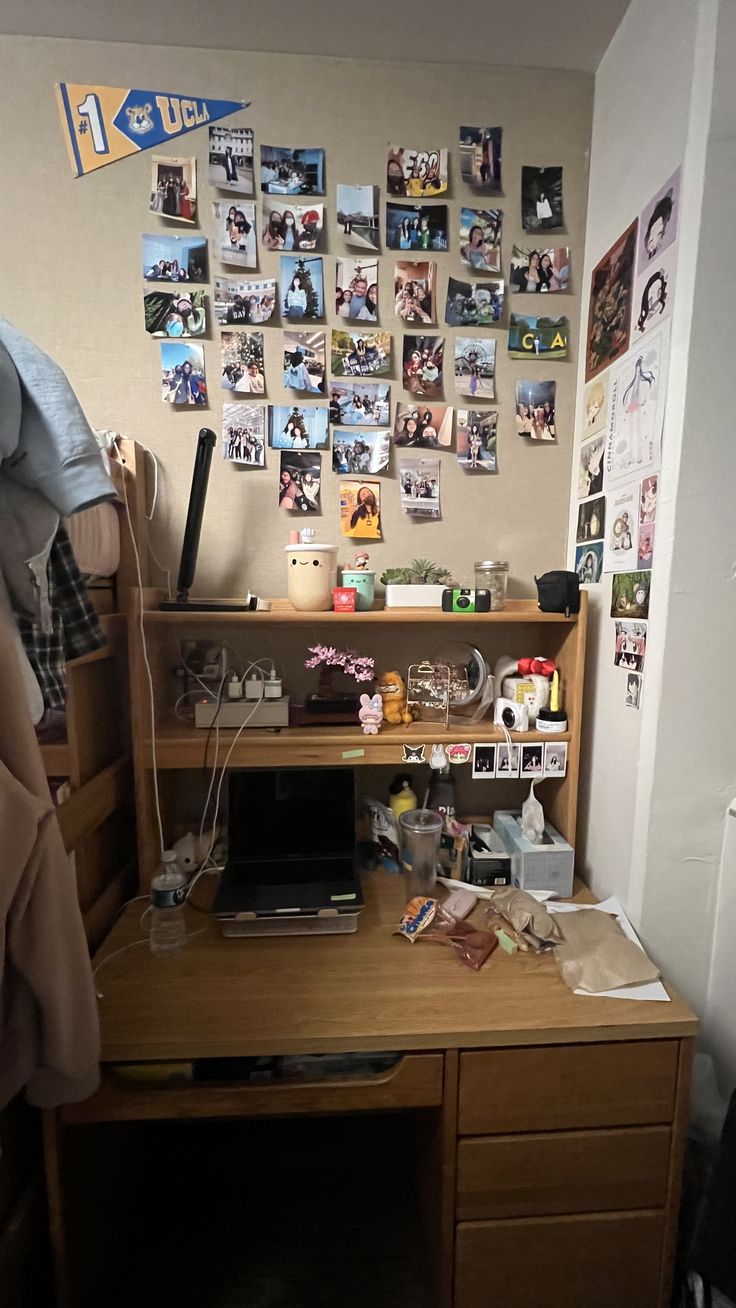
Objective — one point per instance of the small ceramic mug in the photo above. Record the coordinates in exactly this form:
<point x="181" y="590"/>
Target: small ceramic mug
<point x="311" y="574"/>
<point x="364" y="582"/>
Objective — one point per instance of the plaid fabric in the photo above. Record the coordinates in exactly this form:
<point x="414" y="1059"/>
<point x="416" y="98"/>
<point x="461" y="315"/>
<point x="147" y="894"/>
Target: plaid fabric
<point x="75" y="627"/>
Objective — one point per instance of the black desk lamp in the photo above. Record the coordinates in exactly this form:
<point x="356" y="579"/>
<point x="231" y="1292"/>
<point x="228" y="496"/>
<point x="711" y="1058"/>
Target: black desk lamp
<point x="197" y="496"/>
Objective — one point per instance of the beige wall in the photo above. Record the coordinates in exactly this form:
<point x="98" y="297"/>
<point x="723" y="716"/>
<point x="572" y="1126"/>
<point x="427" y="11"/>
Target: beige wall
<point x="70" y="260"/>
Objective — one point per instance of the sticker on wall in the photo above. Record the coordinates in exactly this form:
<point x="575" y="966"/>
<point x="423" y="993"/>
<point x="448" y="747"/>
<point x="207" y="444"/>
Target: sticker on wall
<point x="103" y="124"/>
<point x="630" y="646"/>
<point x="596" y="406"/>
<point x="620" y="551"/>
<point x="413" y="754"/>
<point x="357" y="214"/>
<point x="589" y="562"/>
<point x="540" y="271"/>
<point x="632" y="698"/>
<point x="459" y="753"/>
<point x="476" y="440"/>
<point x="654" y="293"/>
<point x="535" y="410"/>
<point x="609" y="312"/>
<point x="438" y="758"/>
<point x="590" y="467"/>
<point x="484" y="761"/>
<point x="537" y="338"/>
<point x="591" y="522"/>
<point x="658" y="223"/>
<point x="555" y="758"/>
<point x="244" y="434"/>
<point x="630" y="594"/>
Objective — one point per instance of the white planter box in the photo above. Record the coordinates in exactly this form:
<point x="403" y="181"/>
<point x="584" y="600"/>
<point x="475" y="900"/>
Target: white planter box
<point x="413" y="597"/>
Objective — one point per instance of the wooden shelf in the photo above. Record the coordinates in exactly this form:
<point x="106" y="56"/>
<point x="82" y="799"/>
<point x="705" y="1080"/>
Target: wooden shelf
<point x="282" y="614"/>
<point x="179" y="745"/>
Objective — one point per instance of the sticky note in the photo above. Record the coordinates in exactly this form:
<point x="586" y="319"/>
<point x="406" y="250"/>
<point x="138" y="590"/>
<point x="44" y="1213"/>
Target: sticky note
<point x="352" y="753"/>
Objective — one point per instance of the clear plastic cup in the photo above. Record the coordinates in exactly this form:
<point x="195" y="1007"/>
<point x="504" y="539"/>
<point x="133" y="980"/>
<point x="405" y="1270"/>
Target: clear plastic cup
<point x="421" y="829"/>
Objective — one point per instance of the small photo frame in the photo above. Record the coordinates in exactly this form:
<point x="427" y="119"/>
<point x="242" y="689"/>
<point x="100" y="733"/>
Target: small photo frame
<point x="532" y="760"/>
<point x="484" y="762"/>
<point x="555" y="758"/>
<point x="508" y="760"/>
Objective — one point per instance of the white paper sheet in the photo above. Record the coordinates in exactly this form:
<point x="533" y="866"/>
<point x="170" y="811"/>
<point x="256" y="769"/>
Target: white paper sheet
<point x="651" y="990"/>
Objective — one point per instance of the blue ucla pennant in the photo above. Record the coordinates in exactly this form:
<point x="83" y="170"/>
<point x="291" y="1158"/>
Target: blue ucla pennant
<point x="102" y="124"/>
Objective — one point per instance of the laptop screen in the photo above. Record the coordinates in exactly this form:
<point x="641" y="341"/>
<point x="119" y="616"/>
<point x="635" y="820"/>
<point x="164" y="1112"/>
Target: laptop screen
<point x="283" y="814"/>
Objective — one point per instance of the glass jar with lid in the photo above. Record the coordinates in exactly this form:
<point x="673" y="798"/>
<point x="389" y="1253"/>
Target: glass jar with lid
<point x="493" y="576"/>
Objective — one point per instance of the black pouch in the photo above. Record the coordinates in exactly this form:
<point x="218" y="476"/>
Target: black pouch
<point x="559" y="592"/>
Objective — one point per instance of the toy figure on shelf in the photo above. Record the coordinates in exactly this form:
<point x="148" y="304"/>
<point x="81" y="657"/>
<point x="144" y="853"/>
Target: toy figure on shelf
<point x="393" y="693"/>
<point x="362" y="559"/>
<point x="370" y="713"/>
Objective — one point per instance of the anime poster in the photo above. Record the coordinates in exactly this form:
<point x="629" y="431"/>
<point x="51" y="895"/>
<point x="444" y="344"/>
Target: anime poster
<point x="416" y="173"/>
<point x="359" y="403"/>
<point x="419" y="481"/>
<point x="414" y="291"/>
<point x="231" y="158"/>
<point x="620" y="551"/>
<point x="630" y="646"/>
<point x="175" y="313"/>
<point x="658" y="223"/>
<point x="182" y="373"/>
<point x="285" y="171"/>
<point x="357" y="453"/>
<point x="242" y="363"/>
<point x="591" y="524"/>
<point x="595" y="406"/>
<point x="480" y="239"/>
<point x="473" y="304"/>
<point x="301" y="286"/>
<point x="291" y="226"/>
<point x="480" y="158"/>
<point x="632" y="697"/>
<point x="298" y="427"/>
<point x="638" y="393"/>
<point x="304" y="362"/>
<point x="244" y="434"/>
<point x="240" y="302"/>
<point x="647" y="520"/>
<point x="356" y="289"/>
<point x="590" y="467"/>
<point x="535" y="410"/>
<point x="542" y="271"/>
<point x="175" y="258"/>
<point x="416" y="227"/>
<point x="589" y="562"/>
<point x="609" y="312"/>
<point x="358" y="353"/>
<point x="423" y="426"/>
<point x="174" y="188"/>
<point x="299" y="481"/>
<point x="630" y="594"/>
<point x="541" y="198"/>
<point x="360" y="509"/>
<point x="537" y="338"/>
<point x="654" y="294"/>
<point x="476" y="440"/>
<point x="234" y="227"/>
<point x="475" y="367"/>
<point x="423" y="360"/>
<point x="357" y="214"/>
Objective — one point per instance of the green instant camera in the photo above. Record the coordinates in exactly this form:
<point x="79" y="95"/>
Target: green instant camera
<point x="465" y="601"/>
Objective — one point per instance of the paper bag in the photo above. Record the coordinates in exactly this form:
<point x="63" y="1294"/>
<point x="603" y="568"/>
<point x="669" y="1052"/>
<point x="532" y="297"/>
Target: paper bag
<point x="534" y="926"/>
<point x="596" y="955"/>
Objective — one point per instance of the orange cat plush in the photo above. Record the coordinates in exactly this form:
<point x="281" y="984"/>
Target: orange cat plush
<point x="392" y="690"/>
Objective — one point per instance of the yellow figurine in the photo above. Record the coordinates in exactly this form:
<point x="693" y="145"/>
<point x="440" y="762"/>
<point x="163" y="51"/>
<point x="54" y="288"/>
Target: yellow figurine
<point x="392" y="690"/>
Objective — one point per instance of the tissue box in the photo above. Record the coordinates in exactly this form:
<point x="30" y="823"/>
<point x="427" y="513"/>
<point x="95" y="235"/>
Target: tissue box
<point x="549" y="865"/>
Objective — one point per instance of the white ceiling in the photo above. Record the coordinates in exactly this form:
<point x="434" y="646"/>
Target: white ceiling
<point x="527" y="33"/>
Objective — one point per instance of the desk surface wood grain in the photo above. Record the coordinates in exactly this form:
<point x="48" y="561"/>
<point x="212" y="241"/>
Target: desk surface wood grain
<point x="371" y="990"/>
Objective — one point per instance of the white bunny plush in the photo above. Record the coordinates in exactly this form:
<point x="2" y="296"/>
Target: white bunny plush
<point x="370" y="714"/>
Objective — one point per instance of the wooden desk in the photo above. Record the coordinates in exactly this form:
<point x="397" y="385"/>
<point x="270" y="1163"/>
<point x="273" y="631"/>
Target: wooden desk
<point x="557" y="1120"/>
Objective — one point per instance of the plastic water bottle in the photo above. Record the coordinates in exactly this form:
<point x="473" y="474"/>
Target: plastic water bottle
<point x="168" y="896"/>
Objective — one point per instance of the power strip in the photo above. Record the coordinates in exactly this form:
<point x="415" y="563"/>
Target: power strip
<point x="234" y="712"/>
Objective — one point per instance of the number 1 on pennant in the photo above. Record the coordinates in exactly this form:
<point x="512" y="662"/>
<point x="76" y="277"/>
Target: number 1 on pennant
<point x="90" y="109"/>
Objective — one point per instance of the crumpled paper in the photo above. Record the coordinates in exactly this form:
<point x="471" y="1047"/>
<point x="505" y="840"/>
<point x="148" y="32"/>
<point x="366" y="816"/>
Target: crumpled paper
<point x="533" y="927"/>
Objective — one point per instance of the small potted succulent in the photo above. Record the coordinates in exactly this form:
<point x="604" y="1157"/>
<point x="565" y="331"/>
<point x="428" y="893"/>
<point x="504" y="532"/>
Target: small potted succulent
<point x="419" y="585"/>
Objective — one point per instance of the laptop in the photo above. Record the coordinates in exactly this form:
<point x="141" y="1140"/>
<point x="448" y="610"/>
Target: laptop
<point x="292" y="864"/>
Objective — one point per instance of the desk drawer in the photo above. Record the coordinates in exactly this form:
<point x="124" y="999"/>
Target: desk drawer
<point x="606" y="1261"/>
<point x="563" y="1087"/>
<point x="565" y="1172"/>
<point x="414" y="1082"/>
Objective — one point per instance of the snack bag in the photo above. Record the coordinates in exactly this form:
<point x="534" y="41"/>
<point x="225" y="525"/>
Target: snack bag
<point x="426" y="917"/>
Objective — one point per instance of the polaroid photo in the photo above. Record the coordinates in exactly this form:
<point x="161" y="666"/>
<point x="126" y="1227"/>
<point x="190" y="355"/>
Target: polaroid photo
<point x="540" y="271"/>
<point x="174" y="188"/>
<point x="541" y="198"/>
<point x="532" y="760"/>
<point x="423" y="427"/>
<point x="636" y="420"/>
<point x="234" y="228"/>
<point x="620" y="550"/>
<point x="182" y="373"/>
<point x="658" y="223"/>
<point x="357" y="214"/>
<point x="414" y="291"/>
<point x="304" y="362"/>
<point x="475" y="367"/>
<point x="590" y="467"/>
<point x="231" y="158"/>
<point x="356" y="289"/>
<point x="632" y="697"/>
<point x="359" y="453"/>
<point x="243" y="303"/>
<point x="630" y="594"/>
<point x="242" y="363"/>
<point x="416" y="173"/>
<point x="630" y="646"/>
<point x="360" y="404"/>
<point x="285" y="171"/>
<point x="476" y="440"/>
<point x="609" y="311"/>
<point x="360" y="509"/>
<point x="508" y="760"/>
<point x="360" y="354"/>
<point x="423" y="358"/>
<point x="297" y="427"/>
<point x="535" y="410"/>
<point x="288" y="227"/>
<point x="473" y="304"/>
<point x="301" y="282"/>
<point x="591" y="523"/>
<point x="484" y="762"/>
<point x="419" y="482"/>
<point x="595" y="406"/>
<point x="416" y="227"/>
<point x="244" y="434"/>
<point x="654" y="293"/>
<point x="537" y="338"/>
<point x="555" y="758"/>
<point x="480" y="158"/>
<point x="175" y="259"/>
<point x="175" y="313"/>
<point x="300" y="478"/>
<point x="589" y="563"/>
<point x="480" y="239"/>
